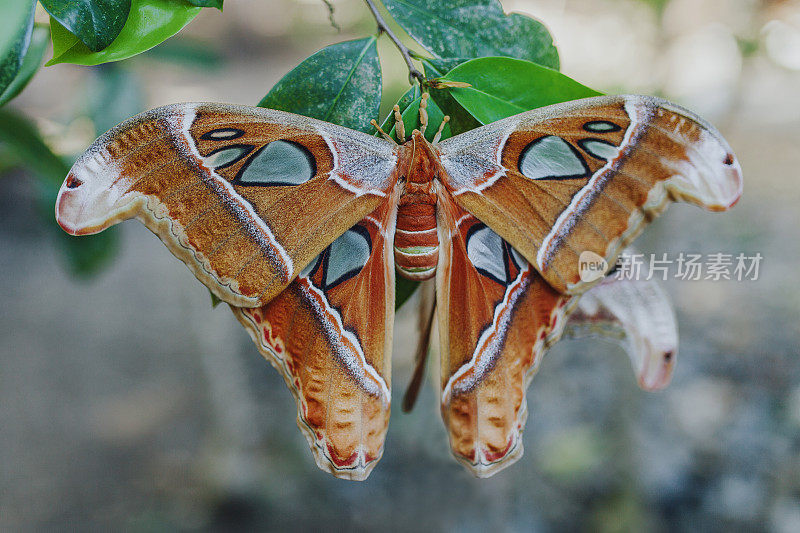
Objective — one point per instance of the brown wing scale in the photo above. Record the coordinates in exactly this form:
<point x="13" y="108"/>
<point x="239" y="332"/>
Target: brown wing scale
<point x="496" y="317"/>
<point x="586" y="176"/>
<point x="330" y="334"/>
<point x="207" y="178"/>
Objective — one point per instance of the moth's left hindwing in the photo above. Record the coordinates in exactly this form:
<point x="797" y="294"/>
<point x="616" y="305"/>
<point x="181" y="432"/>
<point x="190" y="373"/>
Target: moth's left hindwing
<point x="245" y="196"/>
<point x="330" y="336"/>
<point x="497" y="316"/>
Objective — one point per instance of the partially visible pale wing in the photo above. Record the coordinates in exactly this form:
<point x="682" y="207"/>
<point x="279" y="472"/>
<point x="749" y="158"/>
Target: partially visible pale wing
<point x="638" y="315"/>
<point x="245" y="196"/>
<point x="330" y="335"/>
<point x="586" y="176"/>
<point x="496" y="316"/>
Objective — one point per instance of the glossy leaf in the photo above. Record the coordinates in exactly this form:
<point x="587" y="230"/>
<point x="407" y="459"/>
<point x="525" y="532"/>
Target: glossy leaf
<point x="207" y="3"/>
<point x="460" y="119"/>
<point x="95" y="22"/>
<point x="30" y="64"/>
<point x="439" y="66"/>
<point x="85" y="256"/>
<point x="16" y="40"/>
<point x="15" y="15"/>
<point x="473" y="28"/>
<point x="340" y="84"/>
<point x="149" y="23"/>
<point x="406" y="100"/>
<point x="501" y="87"/>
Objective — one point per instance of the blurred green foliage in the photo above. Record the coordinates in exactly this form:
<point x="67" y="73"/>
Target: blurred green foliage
<point x="31" y="62"/>
<point x="20" y="136"/>
<point x="207" y="3"/>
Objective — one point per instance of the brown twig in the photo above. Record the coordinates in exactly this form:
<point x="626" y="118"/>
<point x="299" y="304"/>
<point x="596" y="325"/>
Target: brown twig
<point x="331" y="18"/>
<point x="383" y="27"/>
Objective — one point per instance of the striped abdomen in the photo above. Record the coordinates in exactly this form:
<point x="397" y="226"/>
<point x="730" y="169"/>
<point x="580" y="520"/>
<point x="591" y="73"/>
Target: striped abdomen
<point x="416" y="242"/>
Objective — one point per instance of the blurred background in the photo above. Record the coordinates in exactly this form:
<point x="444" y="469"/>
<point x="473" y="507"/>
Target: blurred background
<point x="127" y="400"/>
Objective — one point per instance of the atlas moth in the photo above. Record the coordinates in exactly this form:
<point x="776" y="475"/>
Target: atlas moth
<point x="301" y="226"/>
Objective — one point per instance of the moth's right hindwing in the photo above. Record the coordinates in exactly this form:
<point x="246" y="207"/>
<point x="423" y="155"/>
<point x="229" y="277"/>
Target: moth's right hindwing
<point x="496" y="317"/>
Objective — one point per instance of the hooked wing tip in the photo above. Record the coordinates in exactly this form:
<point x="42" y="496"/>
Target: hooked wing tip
<point x="69" y="205"/>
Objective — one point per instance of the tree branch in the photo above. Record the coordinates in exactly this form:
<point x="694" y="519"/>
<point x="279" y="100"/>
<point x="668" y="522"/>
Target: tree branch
<point x="331" y="17"/>
<point x="383" y="27"/>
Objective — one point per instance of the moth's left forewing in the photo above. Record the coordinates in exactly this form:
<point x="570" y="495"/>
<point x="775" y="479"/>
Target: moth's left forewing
<point x="587" y="176"/>
<point x="246" y="197"/>
<point x="496" y="317"/>
<point x="330" y="334"/>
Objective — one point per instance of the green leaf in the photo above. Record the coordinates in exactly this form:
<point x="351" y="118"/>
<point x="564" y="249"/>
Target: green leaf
<point x="16" y="37"/>
<point x="473" y="28"/>
<point x="207" y="3"/>
<point x="404" y="288"/>
<point x="409" y="110"/>
<point x="149" y="23"/>
<point x="501" y="87"/>
<point x="439" y="66"/>
<point x="30" y="64"/>
<point x="86" y="255"/>
<point x="95" y="22"/>
<point x="340" y="83"/>
<point x="460" y="119"/>
<point x="406" y="100"/>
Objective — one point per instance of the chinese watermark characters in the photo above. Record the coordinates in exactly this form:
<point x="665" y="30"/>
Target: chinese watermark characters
<point x="689" y="267"/>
